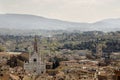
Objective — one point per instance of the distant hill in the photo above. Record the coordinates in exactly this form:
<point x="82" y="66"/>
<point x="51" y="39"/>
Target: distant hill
<point x="20" y="21"/>
<point x="30" y="22"/>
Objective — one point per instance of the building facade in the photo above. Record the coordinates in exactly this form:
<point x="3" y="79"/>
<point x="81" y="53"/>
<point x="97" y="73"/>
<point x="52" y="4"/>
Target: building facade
<point x="35" y="65"/>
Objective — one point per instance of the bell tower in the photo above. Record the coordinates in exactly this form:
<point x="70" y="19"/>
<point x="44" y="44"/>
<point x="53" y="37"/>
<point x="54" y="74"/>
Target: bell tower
<point x="35" y="45"/>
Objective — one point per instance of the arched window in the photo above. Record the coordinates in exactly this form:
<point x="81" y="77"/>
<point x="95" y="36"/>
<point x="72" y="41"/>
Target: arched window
<point x="35" y="60"/>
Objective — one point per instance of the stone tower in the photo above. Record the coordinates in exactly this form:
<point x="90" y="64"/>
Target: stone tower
<point x="35" y="65"/>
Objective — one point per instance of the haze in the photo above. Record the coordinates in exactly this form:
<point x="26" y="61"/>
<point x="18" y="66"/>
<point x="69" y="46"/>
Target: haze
<point x="68" y="10"/>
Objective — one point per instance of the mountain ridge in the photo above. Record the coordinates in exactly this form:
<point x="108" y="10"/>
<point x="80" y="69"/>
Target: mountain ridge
<point x="29" y="22"/>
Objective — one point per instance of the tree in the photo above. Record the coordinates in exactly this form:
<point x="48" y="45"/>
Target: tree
<point x="2" y="49"/>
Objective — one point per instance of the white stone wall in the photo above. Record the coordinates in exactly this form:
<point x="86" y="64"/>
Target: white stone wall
<point x="35" y="67"/>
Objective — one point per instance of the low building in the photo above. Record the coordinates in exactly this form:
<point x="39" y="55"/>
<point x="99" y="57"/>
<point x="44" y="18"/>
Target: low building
<point x="69" y="63"/>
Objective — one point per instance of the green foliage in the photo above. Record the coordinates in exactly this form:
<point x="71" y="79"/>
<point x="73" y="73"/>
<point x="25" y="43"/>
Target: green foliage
<point x="2" y="49"/>
<point x="107" y="45"/>
<point x="66" y="40"/>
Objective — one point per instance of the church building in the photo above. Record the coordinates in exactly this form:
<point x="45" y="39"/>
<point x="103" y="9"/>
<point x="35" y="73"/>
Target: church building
<point x="35" y="65"/>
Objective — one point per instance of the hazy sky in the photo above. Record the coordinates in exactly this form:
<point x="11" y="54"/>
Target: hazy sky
<point x="70" y="10"/>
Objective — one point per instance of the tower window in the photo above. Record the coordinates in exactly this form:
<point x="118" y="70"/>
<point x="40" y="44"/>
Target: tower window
<point x="34" y="70"/>
<point x="35" y="60"/>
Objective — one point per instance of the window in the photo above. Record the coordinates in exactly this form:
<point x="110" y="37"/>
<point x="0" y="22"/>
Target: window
<point x="34" y="70"/>
<point x="42" y="72"/>
<point x="35" y="60"/>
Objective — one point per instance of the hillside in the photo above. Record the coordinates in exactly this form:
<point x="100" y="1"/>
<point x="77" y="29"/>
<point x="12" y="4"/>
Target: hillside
<point x="23" y="23"/>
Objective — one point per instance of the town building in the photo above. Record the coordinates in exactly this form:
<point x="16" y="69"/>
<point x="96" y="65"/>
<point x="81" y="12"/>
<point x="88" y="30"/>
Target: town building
<point x="35" y="65"/>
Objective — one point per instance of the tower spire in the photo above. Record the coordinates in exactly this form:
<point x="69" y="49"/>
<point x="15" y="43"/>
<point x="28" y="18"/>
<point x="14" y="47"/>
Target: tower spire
<point x="35" y="44"/>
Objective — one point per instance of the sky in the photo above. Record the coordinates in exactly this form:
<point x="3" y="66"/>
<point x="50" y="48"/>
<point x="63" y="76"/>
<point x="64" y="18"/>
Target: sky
<point x="68" y="10"/>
